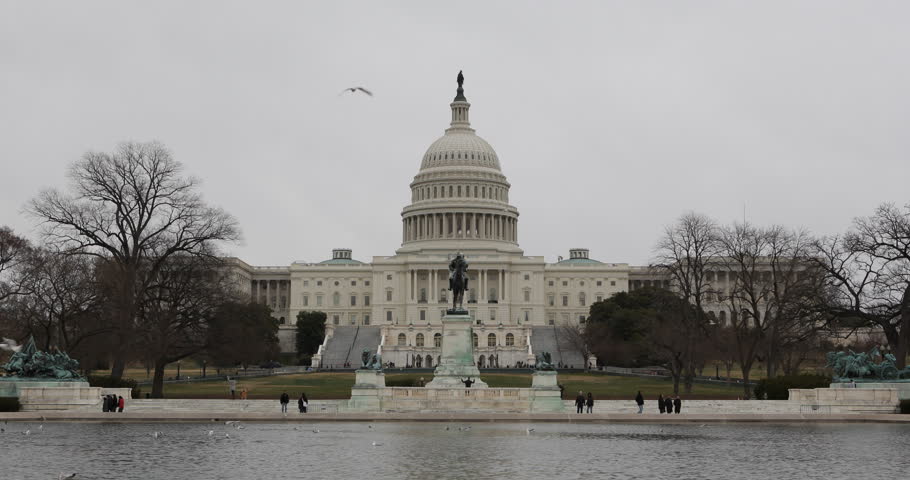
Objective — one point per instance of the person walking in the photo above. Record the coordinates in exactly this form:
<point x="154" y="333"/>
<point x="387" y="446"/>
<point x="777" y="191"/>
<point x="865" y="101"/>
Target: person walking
<point x="677" y="404"/>
<point x="285" y="400"/>
<point x="105" y="403"/>
<point x="120" y="404"/>
<point x="580" y="402"/>
<point x="113" y="408"/>
<point x="660" y="403"/>
<point x="306" y="402"/>
<point x="668" y="404"/>
<point x="301" y="403"/>
<point x="590" y="403"/>
<point x="640" y="401"/>
<point x="233" y="384"/>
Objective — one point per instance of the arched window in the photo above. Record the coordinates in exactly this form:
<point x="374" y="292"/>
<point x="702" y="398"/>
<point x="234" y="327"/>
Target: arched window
<point x="402" y="340"/>
<point x="475" y="340"/>
<point x="419" y="340"/>
<point x="491" y="340"/>
<point x="429" y="362"/>
<point x="480" y="361"/>
<point x="336" y="299"/>
<point x="437" y="340"/>
<point x="510" y="340"/>
<point x="418" y="361"/>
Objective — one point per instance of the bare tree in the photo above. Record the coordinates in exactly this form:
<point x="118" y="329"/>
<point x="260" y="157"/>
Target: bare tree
<point x="134" y="210"/>
<point x="868" y="274"/>
<point x="685" y="253"/>
<point x="13" y="252"/>
<point x="60" y="303"/>
<point x="179" y="304"/>
<point x="773" y="292"/>
<point x="574" y="337"/>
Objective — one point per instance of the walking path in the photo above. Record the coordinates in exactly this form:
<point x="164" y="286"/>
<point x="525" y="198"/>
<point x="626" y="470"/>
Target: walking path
<point x="203" y="417"/>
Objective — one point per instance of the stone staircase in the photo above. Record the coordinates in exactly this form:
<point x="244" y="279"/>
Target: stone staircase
<point x="346" y="344"/>
<point x="546" y="339"/>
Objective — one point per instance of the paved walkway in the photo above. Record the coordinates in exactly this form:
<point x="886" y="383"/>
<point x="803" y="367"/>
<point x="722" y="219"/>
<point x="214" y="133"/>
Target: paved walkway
<point x="202" y="417"/>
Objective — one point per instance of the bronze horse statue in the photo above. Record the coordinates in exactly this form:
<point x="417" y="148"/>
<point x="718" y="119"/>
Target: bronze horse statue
<point x="458" y="281"/>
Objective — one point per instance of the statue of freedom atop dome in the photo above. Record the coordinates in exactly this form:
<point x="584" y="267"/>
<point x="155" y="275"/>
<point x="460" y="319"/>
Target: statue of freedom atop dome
<point x="458" y="281"/>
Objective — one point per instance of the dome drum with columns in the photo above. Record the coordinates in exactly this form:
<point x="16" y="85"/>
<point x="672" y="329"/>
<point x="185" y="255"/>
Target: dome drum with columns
<point x="395" y="303"/>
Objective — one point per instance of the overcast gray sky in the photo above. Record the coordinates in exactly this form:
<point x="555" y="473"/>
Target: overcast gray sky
<point x="610" y="119"/>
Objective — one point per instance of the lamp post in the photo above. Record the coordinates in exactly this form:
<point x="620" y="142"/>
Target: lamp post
<point x="203" y="369"/>
<point x="178" y="369"/>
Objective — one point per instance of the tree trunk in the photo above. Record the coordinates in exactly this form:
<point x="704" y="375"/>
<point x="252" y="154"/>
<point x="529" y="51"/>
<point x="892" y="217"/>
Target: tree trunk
<point x="729" y="367"/>
<point x="903" y="336"/>
<point x="771" y="367"/>
<point x="688" y="378"/>
<point x="747" y="391"/>
<point x="119" y="364"/>
<point x="158" y="381"/>
<point x="675" y="383"/>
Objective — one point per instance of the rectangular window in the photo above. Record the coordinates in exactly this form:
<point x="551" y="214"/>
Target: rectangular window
<point x="565" y="300"/>
<point x="388" y="315"/>
<point x="581" y="319"/>
<point x="353" y="319"/>
<point x="306" y="283"/>
<point x="599" y="283"/>
<point x="306" y="300"/>
<point x="527" y="295"/>
<point x="318" y="300"/>
<point x="442" y="313"/>
<point x="551" y="300"/>
<point x="612" y="283"/>
<point x="318" y="283"/>
<point x="552" y="319"/>
<point x="423" y="315"/>
<point x="600" y="298"/>
<point x="388" y="277"/>
<point x="492" y="314"/>
<point x="335" y="319"/>
<point x="366" y="300"/>
<point x="388" y="295"/>
<point x="366" y="282"/>
<point x="366" y="319"/>
<point x="353" y="300"/>
<point x="551" y="283"/>
<point x="565" y="283"/>
<point x="353" y="283"/>
<point x="527" y="277"/>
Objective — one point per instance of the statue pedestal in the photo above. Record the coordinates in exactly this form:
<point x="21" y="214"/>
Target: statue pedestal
<point x="546" y="394"/>
<point x="365" y="394"/>
<point x="457" y="362"/>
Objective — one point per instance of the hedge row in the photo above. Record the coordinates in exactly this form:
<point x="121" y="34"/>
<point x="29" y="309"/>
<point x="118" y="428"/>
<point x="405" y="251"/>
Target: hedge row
<point x="106" y="381"/>
<point x="777" y="388"/>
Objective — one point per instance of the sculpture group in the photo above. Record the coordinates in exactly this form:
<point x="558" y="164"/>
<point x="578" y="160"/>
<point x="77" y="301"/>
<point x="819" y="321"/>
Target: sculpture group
<point x="29" y="362"/>
<point x="850" y="365"/>
<point x="369" y="360"/>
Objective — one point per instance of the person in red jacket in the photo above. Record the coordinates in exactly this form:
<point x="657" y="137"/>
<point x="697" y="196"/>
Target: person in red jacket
<point x="120" y="404"/>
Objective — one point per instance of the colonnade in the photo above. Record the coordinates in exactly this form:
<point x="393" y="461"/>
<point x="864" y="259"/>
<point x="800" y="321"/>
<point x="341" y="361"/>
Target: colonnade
<point x="460" y="225"/>
<point x="272" y="290"/>
<point x="437" y="280"/>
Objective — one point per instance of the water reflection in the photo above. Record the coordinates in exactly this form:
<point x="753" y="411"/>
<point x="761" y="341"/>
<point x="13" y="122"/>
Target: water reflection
<point x="430" y="450"/>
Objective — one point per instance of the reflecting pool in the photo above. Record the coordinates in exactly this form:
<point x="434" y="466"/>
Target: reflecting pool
<point x="452" y="450"/>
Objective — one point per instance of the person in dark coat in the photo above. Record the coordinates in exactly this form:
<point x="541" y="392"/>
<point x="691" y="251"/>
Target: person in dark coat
<point x="640" y="401"/>
<point x="302" y="403"/>
<point x="660" y="403"/>
<point x="590" y="403"/>
<point x="580" y="403"/>
<point x="285" y="400"/>
<point x="677" y="404"/>
<point x="105" y="403"/>
<point x="668" y="404"/>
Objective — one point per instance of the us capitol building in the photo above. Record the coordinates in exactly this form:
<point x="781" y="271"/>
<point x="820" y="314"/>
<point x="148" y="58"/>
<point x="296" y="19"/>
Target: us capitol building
<point x="459" y="202"/>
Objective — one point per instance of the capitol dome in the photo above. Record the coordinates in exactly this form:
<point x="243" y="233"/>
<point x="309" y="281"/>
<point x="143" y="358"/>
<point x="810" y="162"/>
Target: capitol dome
<point x="460" y="197"/>
<point x="460" y="149"/>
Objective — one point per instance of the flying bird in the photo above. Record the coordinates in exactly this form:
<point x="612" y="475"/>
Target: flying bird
<point x="63" y="476"/>
<point x="10" y="345"/>
<point x="377" y="444"/>
<point x="355" y="89"/>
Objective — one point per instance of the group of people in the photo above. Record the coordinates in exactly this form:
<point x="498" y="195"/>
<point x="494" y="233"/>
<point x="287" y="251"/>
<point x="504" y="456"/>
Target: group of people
<point x="112" y="403"/>
<point x="302" y="403"/>
<point x="668" y="404"/>
<point x="232" y="382"/>
<point x="581" y="401"/>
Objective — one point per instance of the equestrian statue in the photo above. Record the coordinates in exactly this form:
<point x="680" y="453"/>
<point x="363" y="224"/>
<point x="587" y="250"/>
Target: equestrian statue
<point x="458" y="282"/>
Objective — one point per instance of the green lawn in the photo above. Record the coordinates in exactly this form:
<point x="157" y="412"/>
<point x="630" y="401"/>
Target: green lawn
<point x="333" y="385"/>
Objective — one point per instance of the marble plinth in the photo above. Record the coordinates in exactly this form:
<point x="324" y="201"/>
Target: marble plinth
<point x="546" y="394"/>
<point x="57" y="395"/>
<point x="846" y="400"/>
<point x="366" y="390"/>
<point x="457" y="359"/>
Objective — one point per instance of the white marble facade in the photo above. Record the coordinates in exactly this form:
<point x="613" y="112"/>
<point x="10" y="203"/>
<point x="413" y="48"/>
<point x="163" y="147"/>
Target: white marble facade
<point x="460" y="202"/>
